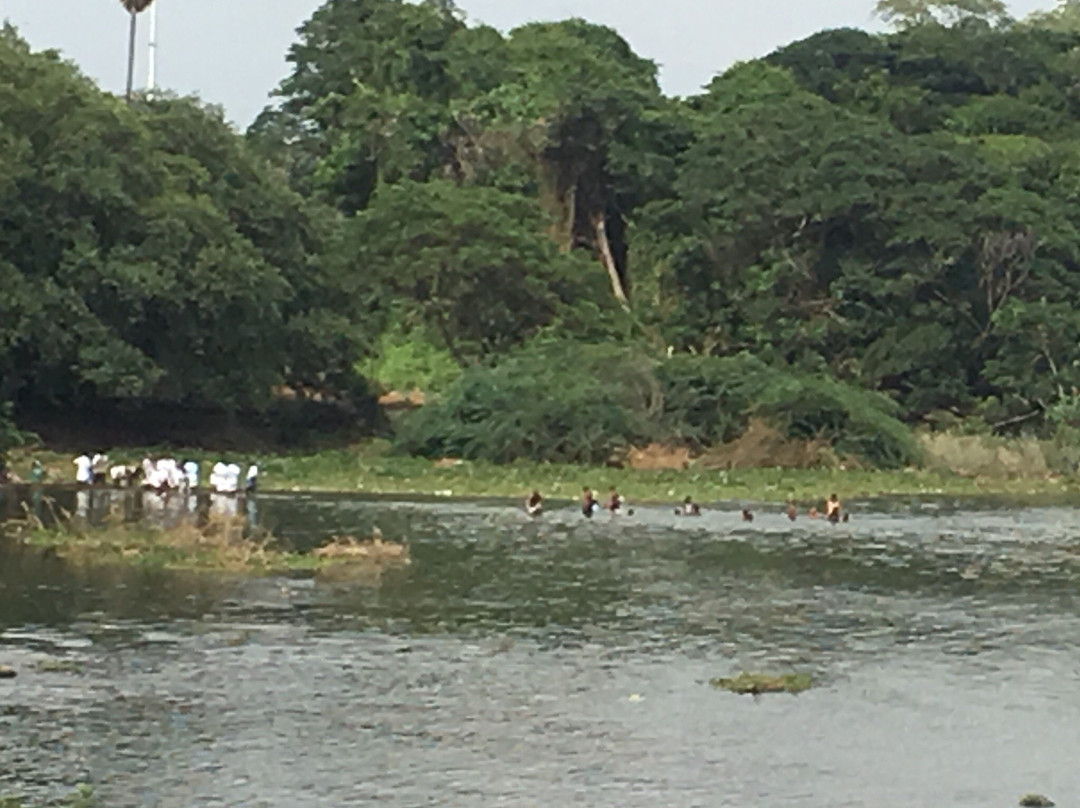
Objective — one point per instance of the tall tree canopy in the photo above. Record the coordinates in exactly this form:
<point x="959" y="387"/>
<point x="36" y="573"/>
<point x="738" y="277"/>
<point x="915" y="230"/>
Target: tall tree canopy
<point x="384" y="91"/>
<point x="903" y="13"/>
<point x="897" y="212"/>
<point x="145" y="253"/>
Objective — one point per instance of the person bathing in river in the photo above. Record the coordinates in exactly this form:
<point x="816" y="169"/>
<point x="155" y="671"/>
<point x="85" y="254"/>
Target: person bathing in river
<point x="832" y="509"/>
<point x="534" y="504"/>
<point x="689" y="508"/>
<point x="589" y="505"/>
<point x="615" y="502"/>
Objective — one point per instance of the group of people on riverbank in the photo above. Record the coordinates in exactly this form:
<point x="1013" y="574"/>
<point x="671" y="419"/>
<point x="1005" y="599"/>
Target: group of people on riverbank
<point x="164" y="474"/>
<point x="832" y="510"/>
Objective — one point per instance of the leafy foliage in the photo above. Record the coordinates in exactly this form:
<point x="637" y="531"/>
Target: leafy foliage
<point x="611" y="398"/>
<point x="710" y="400"/>
<point x="922" y="12"/>
<point x="406" y="360"/>
<point x="469" y="264"/>
<point x="148" y="255"/>
<point x="605" y="399"/>
<point x="858" y="230"/>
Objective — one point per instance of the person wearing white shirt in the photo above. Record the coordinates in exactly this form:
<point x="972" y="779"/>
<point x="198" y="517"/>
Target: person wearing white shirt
<point x="84" y="474"/>
<point x="251" y="483"/>
<point x="191" y="472"/>
<point x="217" y="476"/>
<point x="232" y="478"/>
<point x="99" y="467"/>
<point x="174" y="476"/>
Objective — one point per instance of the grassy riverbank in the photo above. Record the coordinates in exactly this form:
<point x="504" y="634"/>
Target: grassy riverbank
<point x="372" y="468"/>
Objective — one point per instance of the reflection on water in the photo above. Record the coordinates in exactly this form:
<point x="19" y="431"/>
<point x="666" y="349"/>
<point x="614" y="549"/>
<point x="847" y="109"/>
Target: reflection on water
<point x="95" y="506"/>
<point x="525" y="662"/>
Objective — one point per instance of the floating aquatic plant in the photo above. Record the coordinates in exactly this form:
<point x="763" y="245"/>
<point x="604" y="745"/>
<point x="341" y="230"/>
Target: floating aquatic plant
<point x="753" y="684"/>
<point x="1036" y="801"/>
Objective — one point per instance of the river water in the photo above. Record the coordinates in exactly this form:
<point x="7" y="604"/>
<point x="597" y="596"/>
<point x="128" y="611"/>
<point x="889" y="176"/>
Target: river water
<point x="561" y="662"/>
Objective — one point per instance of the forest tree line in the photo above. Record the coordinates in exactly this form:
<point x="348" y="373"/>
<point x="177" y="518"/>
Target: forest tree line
<point x="854" y="235"/>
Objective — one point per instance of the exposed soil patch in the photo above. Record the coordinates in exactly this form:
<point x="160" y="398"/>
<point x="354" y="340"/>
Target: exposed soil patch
<point x="657" y="457"/>
<point x="399" y="400"/>
<point x="762" y="446"/>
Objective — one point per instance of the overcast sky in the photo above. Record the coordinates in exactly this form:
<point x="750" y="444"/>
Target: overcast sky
<point x="231" y="52"/>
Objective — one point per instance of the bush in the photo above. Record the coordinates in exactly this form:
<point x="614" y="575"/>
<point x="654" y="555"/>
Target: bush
<point x="558" y="402"/>
<point x="570" y="402"/>
<point x="710" y="400"/>
<point x="856" y="422"/>
<point x="407" y="360"/>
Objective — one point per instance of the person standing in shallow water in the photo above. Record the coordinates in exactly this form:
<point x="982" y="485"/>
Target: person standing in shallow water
<point x="534" y="504"/>
<point x="589" y="505"/>
<point x="615" y="502"/>
<point x="832" y="509"/>
<point x="689" y="508"/>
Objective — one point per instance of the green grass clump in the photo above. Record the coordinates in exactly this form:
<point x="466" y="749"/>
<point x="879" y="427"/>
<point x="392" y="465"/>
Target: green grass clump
<point x="1036" y="801"/>
<point x="60" y="666"/>
<point x="754" y="684"/>
<point x="82" y="797"/>
<point x="220" y="544"/>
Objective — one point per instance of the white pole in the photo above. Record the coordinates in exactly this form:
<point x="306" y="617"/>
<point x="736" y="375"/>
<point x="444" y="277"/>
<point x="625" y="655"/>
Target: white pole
<point x="151" y="78"/>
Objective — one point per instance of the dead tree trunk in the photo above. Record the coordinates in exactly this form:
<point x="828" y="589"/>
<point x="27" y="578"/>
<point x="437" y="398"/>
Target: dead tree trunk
<point x="607" y="258"/>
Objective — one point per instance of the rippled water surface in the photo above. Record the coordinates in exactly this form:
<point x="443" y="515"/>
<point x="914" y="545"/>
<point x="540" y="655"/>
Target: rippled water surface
<point x="560" y="662"/>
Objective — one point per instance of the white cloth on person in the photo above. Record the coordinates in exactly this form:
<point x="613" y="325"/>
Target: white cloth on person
<point x="84" y="469"/>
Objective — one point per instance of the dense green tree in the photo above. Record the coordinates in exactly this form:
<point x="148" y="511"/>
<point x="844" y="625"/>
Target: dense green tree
<point x="146" y="254"/>
<point x="385" y="91"/>
<point x="470" y="265"/>
<point x="587" y="111"/>
<point x="815" y="234"/>
<point x="367" y="100"/>
<point x="857" y="214"/>
<point x="920" y="12"/>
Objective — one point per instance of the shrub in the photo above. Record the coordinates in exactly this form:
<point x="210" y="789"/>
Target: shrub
<point x="407" y="360"/>
<point x="572" y="402"/>
<point x="855" y="421"/>
<point x="710" y="400"/>
<point x="562" y="401"/>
